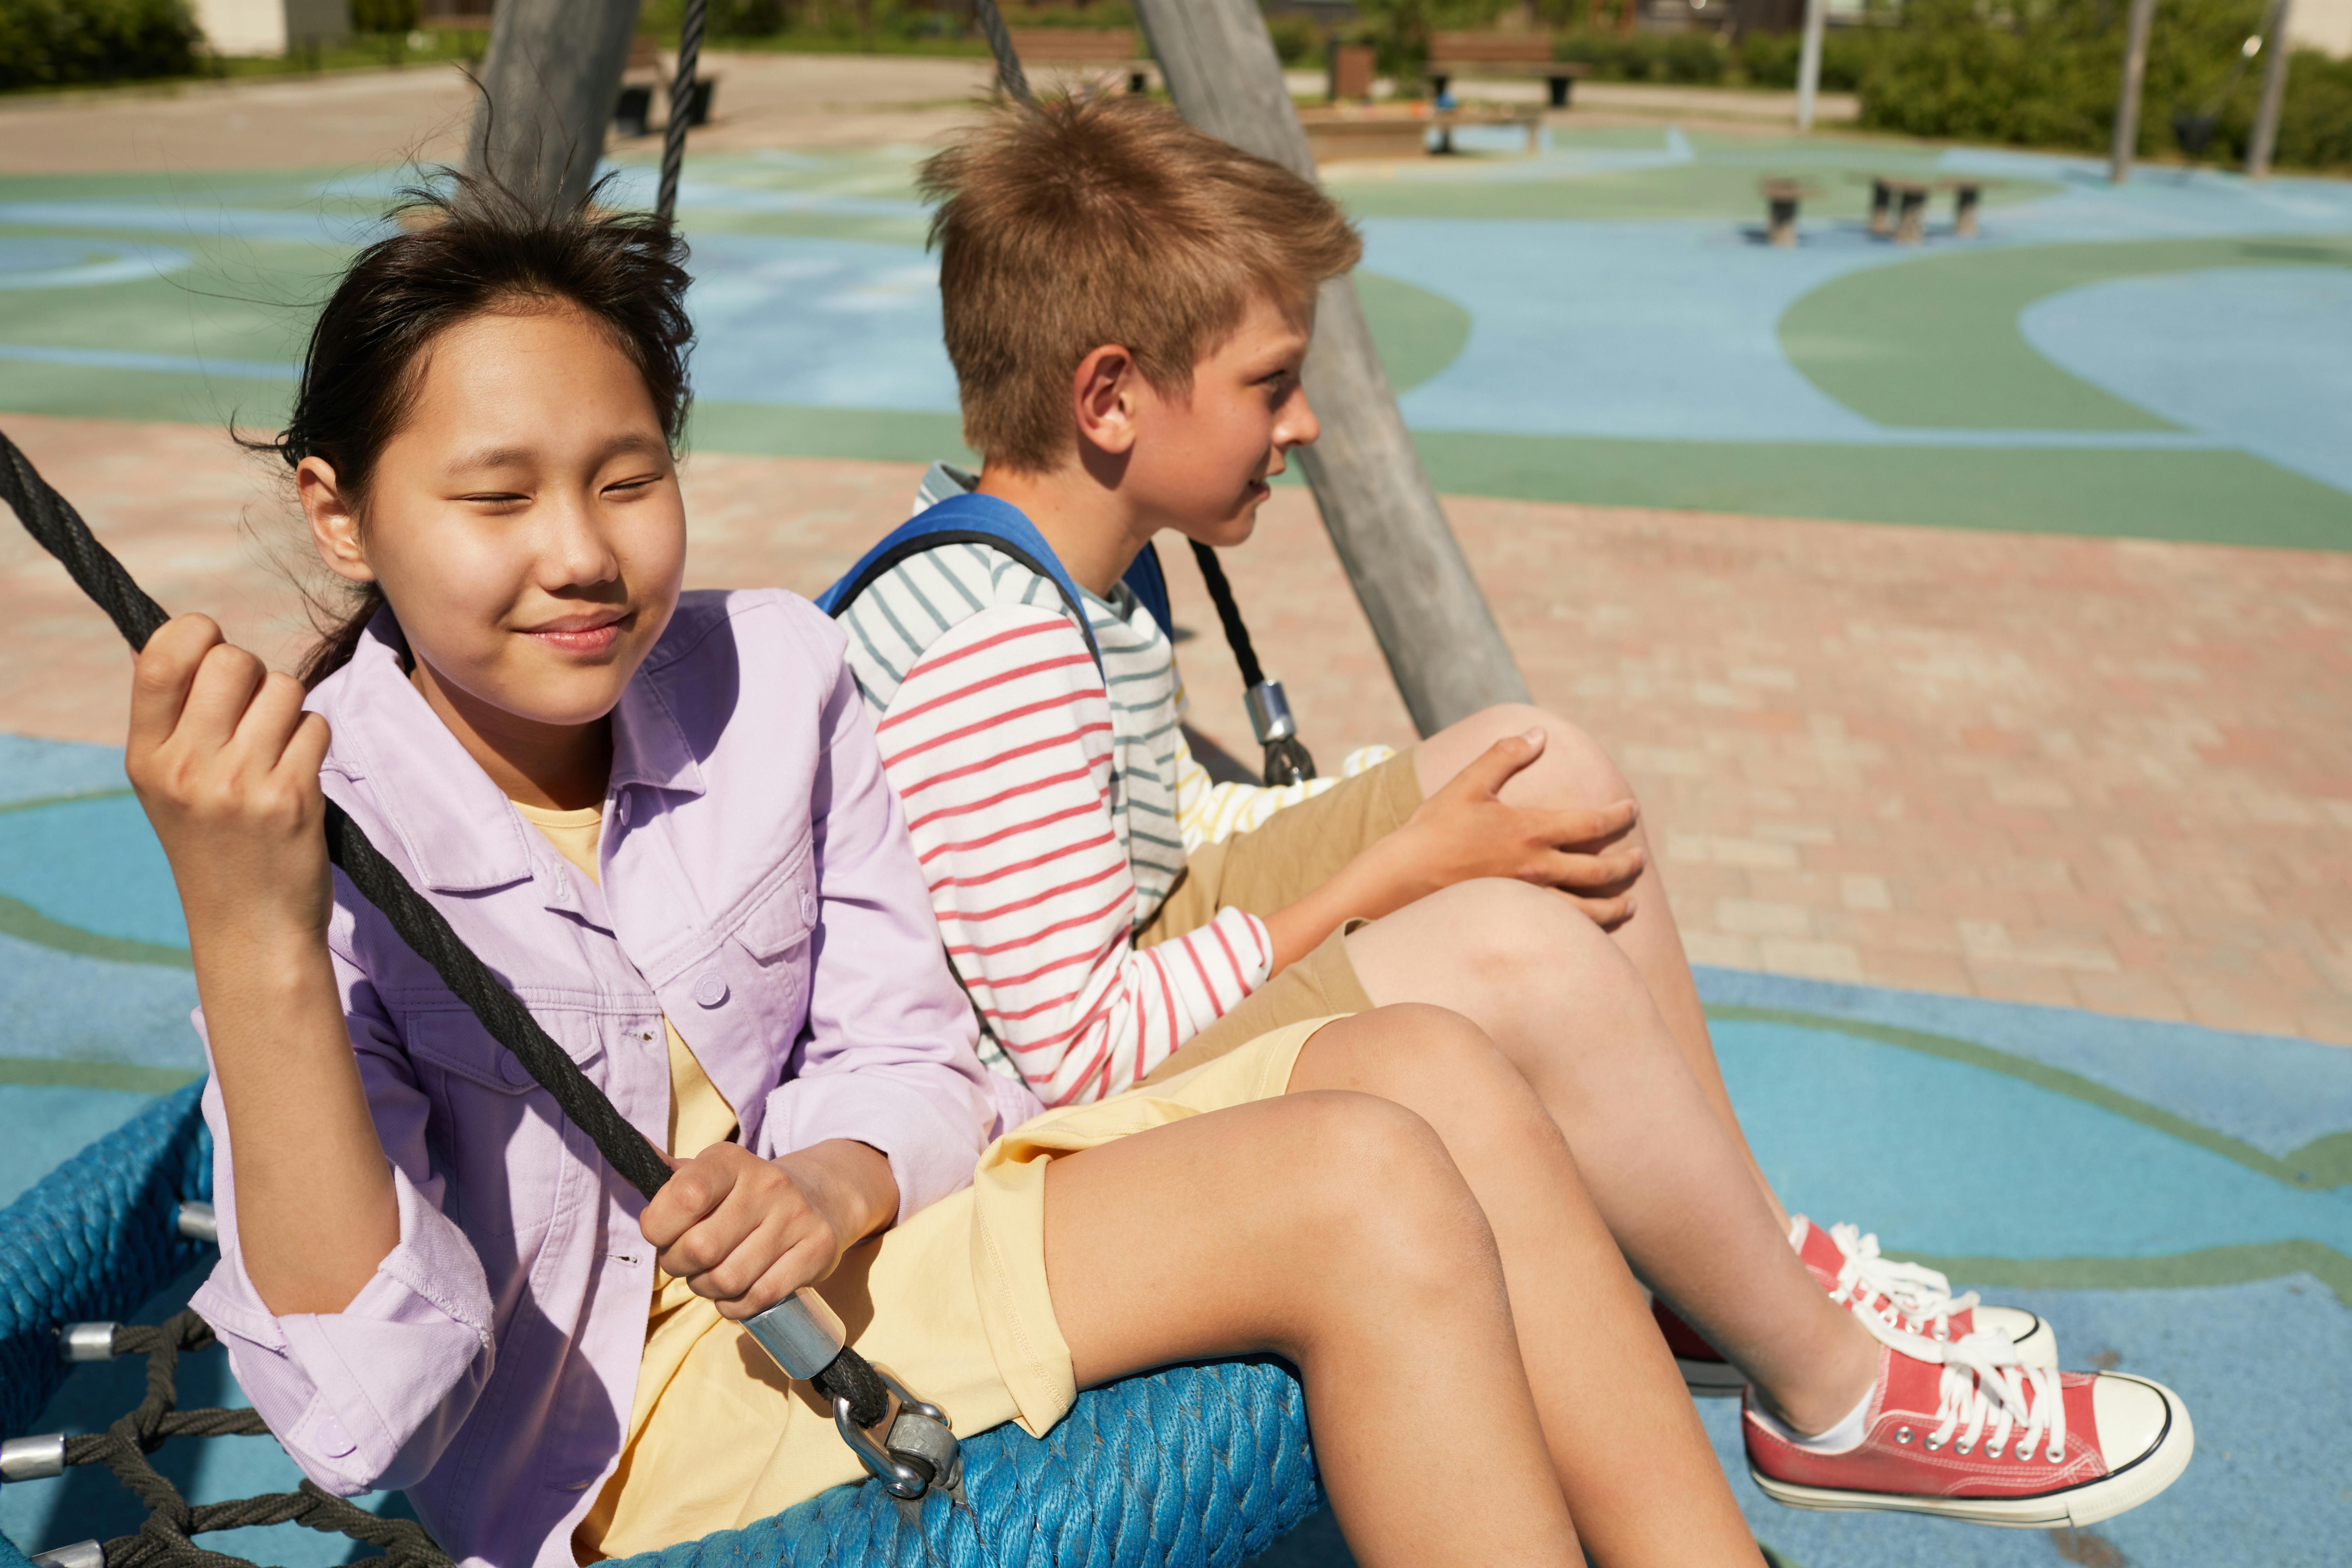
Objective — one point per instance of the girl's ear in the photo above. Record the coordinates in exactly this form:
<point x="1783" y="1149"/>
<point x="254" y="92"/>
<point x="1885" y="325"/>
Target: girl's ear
<point x="1103" y="393"/>
<point x="334" y="521"/>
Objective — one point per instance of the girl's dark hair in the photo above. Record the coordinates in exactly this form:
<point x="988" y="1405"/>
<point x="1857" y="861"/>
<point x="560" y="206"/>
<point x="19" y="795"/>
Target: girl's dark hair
<point x="467" y="246"/>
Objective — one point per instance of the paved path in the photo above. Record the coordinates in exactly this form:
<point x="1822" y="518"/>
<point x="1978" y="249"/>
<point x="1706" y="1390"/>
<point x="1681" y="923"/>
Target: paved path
<point x="2115" y="774"/>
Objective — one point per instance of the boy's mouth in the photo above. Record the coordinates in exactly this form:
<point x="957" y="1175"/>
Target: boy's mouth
<point x="590" y="633"/>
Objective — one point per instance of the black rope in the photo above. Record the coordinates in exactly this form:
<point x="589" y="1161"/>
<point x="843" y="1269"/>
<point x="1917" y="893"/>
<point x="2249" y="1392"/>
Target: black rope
<point x="1288" y="760"/>
<point x="684" y="97"/>
<point x="164" y="1540"/>
<point x="61" y="530"/>
<point x="1009" y="74"/>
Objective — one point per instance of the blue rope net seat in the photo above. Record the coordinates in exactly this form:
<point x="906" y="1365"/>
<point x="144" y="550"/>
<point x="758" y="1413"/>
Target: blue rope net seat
<point x="1195" y="1467"/>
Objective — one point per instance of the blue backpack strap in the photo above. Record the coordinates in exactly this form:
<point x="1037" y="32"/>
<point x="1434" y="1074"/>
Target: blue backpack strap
<point x="1150" y="586"/>
<point x="968" y="519"/>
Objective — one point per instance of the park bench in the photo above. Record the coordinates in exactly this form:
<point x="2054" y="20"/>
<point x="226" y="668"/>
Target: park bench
<point x="1500" y="54"/>
<point x="1353" y="131"/>
<point x="1781" y="198"/>
<point x="645" y="71"/>
<point x="1899" y="206"/>
<point x="1083" y="50"/>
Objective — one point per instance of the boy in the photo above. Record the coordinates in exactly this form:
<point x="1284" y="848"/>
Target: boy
<point x="1128" y="305"/>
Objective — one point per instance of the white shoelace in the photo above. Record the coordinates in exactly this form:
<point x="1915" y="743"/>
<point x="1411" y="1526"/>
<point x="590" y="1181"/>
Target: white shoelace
<point x="1984" y="1381"/>
<point x="1904" y="1297"/>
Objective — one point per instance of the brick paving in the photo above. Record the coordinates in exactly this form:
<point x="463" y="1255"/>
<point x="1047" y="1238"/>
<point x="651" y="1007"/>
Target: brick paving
<point x="2110" y="774"/>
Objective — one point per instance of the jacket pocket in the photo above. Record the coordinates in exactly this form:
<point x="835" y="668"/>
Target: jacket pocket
<point x="506" y="1146"/>
<point x="780" y="922"/>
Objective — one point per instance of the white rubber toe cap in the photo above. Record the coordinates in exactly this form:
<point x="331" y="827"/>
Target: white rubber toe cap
<point x="2035" y="1340"/>
<point x="2132" y="1416"/>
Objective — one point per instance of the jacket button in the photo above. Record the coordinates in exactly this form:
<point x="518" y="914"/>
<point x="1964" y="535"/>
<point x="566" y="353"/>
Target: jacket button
<point x="621" y="808"/>
<point x="510" y="1068"/>
<point x="334" y="1441"/>
<point x="712" y="989"/>
<point x="808" y="906"/>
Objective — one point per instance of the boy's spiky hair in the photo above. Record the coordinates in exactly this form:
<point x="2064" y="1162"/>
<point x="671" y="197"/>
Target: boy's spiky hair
<point x="1091" y="220"/>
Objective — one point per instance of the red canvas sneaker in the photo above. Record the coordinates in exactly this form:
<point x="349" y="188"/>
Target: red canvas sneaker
<point x="1909" y="1299"/>
<point x="1965" y="1431"/>
<point x="1904" y="1297"/>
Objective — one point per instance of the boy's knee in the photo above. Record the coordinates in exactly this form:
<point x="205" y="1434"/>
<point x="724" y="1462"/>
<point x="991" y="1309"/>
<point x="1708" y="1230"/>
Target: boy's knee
<point x="1514" y="932"/>
<point x="1573" y="758"/>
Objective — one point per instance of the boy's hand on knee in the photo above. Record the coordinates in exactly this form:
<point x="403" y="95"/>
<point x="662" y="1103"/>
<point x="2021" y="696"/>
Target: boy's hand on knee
<point x="746" y="1232"/>
<point x="1467" y="830"/>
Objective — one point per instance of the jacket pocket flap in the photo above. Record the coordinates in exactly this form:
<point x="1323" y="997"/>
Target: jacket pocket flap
<point x="455" y="1041"/>
<point x="781" y="920"/>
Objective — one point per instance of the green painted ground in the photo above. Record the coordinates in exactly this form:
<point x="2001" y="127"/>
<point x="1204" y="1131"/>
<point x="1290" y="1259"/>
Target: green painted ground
<point x="1934" y="343"/>
<point x="1720" y="183"/>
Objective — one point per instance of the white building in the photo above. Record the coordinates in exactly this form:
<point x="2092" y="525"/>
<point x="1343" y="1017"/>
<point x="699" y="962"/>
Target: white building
<point x="2324" y="25"/>
<point x="273" y="26"/>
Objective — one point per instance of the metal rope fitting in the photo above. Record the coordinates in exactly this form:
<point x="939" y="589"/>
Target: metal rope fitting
<point x="1269" y="712"/>
<point x="922" y="1450"/>
<point x="800" y="1333"/>
<point x="81" y="1554"/>
<point x="33" y="1459"/>
<point x="197" y="1222"/>
<point x="86" y="1342"/>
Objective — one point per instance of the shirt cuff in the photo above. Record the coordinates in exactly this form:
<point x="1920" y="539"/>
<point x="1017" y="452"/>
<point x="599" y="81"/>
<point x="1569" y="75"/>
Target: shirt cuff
<point x="366" y="1397"/>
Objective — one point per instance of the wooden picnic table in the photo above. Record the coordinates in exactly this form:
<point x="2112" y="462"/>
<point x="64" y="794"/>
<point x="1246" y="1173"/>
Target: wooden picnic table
<point x="1899" y="206"/>
<point x="1501" y="54"/>
<point x="1349" y="131"/>
<point x="1105" y="49"/>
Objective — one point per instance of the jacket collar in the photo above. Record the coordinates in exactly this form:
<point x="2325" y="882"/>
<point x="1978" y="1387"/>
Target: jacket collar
<point x="456" y="827"/>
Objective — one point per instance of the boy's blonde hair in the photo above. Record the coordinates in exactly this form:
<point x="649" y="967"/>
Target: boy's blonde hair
<point x="1091" y="220"/>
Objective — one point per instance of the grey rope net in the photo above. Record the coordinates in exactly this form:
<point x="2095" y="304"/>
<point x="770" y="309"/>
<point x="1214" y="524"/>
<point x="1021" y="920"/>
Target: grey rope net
<point x="166" y="1538"/>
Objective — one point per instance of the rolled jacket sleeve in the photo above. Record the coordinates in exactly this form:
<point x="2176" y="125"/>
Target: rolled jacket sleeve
<point x="369" y="1396"/>
<point x="888" y="1055"/>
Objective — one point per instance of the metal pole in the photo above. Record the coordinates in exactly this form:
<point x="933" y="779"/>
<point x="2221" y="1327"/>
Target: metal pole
<point x="2266" y="117"/>
<point x="2126" y="143"/>
<point x="1808" y="63"/>
<point x="1441" y="640"/>
<point x="549" y="85"/>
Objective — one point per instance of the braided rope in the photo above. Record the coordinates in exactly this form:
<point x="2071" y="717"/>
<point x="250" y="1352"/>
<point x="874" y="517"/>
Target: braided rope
<point x="52" y="521"/>
<point x="1286" y="759"/>
<point x="684" y="99"/>
<point x="1009" y="74"/>
<point x="165" y="1540"/>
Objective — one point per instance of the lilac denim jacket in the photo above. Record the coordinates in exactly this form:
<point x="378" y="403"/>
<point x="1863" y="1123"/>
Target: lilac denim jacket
<point x="759" y="889"/>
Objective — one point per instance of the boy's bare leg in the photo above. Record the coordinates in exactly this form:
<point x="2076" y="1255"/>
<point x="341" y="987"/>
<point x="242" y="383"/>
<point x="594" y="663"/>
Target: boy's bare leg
<point x="1333" y="1230"/>
<point x="1573" y="770"/>
<point x="1642" y="1482"/>
<point x="1564" y="1004"/>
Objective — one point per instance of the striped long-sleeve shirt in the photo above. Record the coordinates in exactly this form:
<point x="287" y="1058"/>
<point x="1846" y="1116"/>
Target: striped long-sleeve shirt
<point x="1043" y="798"/>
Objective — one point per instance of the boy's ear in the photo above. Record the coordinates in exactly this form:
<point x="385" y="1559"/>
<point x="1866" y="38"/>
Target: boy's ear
<point x="334" y="521"/>
<point x="1104" y="393"/>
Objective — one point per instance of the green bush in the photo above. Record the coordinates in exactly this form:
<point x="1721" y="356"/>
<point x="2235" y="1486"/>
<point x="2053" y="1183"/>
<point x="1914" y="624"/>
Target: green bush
<point x="1296" y="39"/>
<point x="1696" y="58"/>
<point x="2047" y="75"/>
<point x="58" y="43"/>
<point x="1770" y="59"/>
<point x="387" y="15"/>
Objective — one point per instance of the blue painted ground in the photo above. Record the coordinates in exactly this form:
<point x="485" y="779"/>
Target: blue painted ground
<point x="2032" y="1138"/>
<point x="1668" y="332"/>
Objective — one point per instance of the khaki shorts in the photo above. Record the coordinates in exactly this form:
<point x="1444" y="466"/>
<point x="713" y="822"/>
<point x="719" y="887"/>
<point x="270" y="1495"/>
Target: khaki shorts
<point x="1294" y="852"/>
<point x="953" y="1302"/>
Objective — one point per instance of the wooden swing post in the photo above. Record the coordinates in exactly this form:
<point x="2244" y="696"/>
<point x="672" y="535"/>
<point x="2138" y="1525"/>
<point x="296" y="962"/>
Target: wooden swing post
<point x="550" y="84"/>
<point x="1442" y="645"/>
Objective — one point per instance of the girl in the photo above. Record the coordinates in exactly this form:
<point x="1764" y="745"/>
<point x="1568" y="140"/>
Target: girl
<point x="661" y="818"/>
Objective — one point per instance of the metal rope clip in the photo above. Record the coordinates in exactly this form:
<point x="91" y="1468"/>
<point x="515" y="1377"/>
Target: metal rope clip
<point x="922" y="1450"/>
<point x="803" y="1336"/>
<point x="1286" y="759"/>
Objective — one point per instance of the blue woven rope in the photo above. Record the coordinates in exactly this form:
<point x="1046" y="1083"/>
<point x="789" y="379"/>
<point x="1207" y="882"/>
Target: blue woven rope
<point x="1198" y="1466"/>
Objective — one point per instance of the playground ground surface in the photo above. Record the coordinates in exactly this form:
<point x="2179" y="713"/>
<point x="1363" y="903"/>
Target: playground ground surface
<point x="1972" y="620"/>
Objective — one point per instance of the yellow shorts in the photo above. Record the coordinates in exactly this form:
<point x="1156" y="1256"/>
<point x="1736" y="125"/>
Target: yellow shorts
<point x="953" y="1302"/>
<point x="1294" y="852"/>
